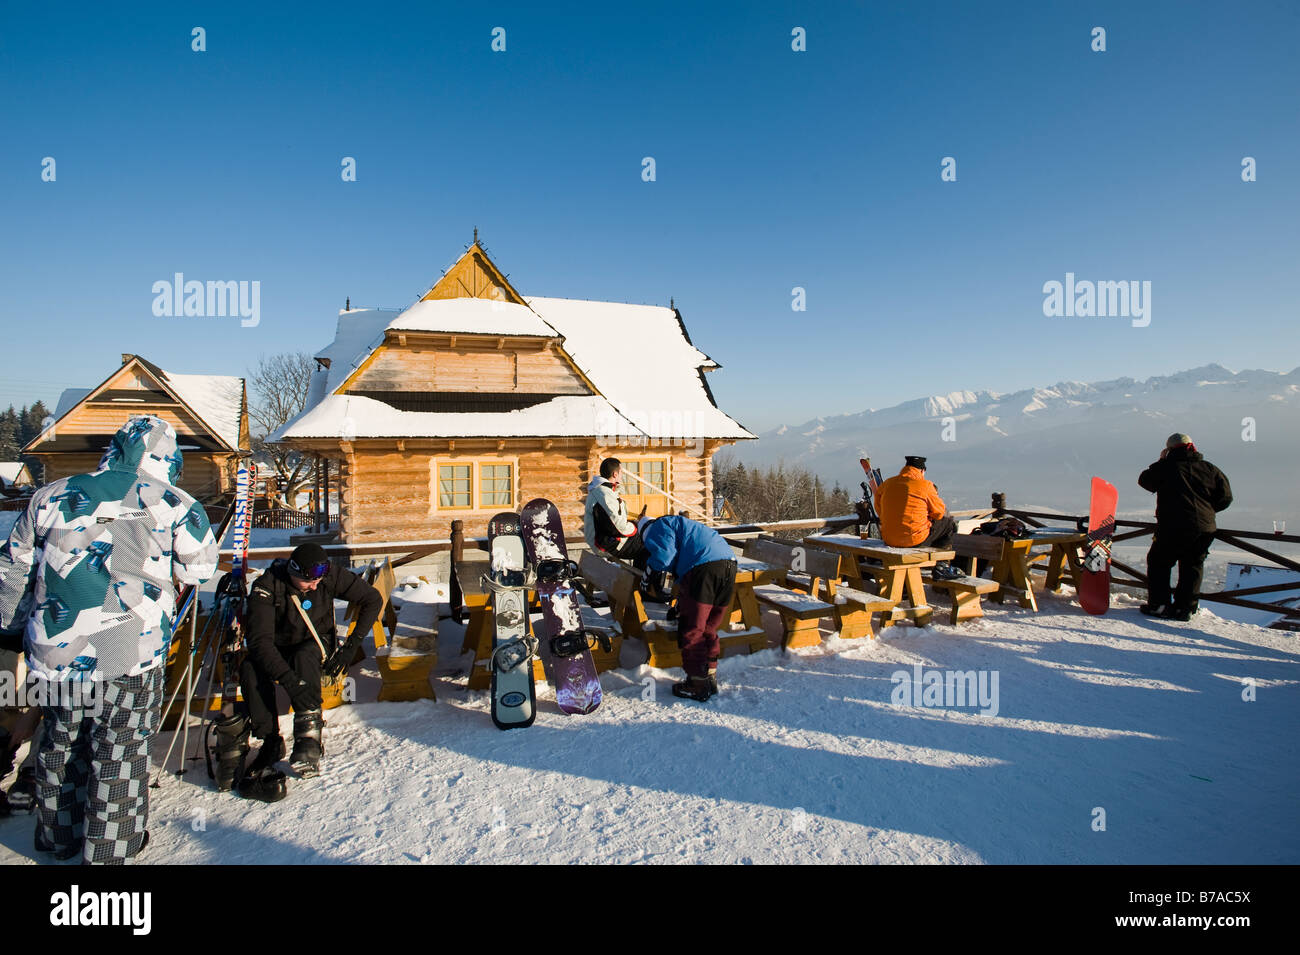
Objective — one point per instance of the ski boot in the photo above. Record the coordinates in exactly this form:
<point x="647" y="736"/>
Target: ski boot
<point x="1154" y="610"/>
<point x="698" y="688"/>
<point x="945" y="571"/>
<point x="272" y="752"/>
<point x="307" y="747"/>
<point x="22" y="794"/>
<point x="231" y="751"/>
<point x="67" y="852"/>
<point x="263" y="781"/>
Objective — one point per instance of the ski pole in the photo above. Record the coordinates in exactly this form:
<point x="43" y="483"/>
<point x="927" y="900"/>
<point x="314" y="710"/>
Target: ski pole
<point x="659" y="490"/>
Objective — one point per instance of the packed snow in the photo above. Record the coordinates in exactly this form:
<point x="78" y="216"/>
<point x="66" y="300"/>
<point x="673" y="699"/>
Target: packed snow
<point x="1114" y="739"/>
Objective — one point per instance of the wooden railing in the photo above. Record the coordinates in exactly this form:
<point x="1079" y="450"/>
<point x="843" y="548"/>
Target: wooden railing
<point x="1136" y="578"/>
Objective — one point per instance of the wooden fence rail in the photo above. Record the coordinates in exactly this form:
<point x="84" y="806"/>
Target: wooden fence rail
<point x="1233" y="538"/>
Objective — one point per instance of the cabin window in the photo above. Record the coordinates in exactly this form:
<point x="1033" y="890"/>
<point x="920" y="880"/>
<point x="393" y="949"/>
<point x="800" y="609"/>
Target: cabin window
<point x="651" y="491"/>
<point x="488" y="484"/>
<point x="454" y="486"/>
<point x="495" y="482"/>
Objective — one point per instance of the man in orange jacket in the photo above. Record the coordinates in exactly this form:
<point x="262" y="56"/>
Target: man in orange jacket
<point x="912" y="513"/>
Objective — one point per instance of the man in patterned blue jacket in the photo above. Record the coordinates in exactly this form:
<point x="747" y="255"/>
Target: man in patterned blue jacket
<point x="705" y="567"/>
<point x="87" y="577"/>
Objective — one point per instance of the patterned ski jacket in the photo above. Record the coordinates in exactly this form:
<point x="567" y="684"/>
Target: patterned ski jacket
<point x="88" y="567"/>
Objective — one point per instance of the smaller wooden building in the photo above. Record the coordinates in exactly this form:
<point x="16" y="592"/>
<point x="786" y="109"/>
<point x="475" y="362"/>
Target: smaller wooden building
<point x="209" y="413"/>
<point x="15" y="476"/>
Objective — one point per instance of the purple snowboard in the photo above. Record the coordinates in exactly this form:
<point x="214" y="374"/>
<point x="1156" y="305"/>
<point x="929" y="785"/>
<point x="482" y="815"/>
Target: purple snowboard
<point x="577" y="688"/>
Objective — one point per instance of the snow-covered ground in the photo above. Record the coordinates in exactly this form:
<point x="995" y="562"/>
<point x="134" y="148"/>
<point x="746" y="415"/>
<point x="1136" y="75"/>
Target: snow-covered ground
<point x="1134" y="723"/>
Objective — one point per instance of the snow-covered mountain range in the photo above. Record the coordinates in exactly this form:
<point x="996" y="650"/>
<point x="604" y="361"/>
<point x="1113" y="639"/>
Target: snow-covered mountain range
<point x="1041" y="445"/>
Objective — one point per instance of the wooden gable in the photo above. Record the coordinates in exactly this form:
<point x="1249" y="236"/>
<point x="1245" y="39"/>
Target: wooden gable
<point x="488" y="367"/>
<point x="474" y="276"/>
<point x="135" y="388"/>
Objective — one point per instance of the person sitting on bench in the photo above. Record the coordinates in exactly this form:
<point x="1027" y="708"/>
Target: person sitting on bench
<point x="912" y="514"/>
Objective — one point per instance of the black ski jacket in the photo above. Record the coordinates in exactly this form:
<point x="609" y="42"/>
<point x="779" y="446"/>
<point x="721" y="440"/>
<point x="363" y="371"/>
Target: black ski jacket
<point x="1189" y="492"/>
<point x="274" y="622"/>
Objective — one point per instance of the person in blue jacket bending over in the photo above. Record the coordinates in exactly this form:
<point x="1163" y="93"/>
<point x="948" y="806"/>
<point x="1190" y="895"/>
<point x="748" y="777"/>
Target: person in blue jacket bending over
<point x="705" y="567"/>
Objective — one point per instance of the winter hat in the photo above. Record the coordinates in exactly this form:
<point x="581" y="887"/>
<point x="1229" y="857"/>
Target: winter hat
<point x="915" y="461"/>
<point x="1178" y="440"/>
<point x="308" y="562"/>
<point x="642" y="524"/>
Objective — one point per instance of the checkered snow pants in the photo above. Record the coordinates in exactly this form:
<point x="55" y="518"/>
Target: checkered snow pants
<point x="93" y="771"/>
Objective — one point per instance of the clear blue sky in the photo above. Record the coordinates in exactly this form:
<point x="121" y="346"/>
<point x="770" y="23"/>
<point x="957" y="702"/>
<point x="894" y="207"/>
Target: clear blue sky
<point x="775" y="169"/>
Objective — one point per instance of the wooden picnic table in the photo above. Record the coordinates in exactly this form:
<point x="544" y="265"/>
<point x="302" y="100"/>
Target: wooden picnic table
<point x="1062" y="555"/>
<point x="900" y="571"/>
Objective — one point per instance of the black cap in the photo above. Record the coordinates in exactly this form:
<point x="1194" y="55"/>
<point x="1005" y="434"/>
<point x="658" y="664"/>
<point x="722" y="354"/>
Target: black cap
<point x="308" y="562"/>
<point x="915" y="461"/>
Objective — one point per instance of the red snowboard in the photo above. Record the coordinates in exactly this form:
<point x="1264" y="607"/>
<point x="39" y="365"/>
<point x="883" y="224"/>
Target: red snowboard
<point x="1094" y="582"/>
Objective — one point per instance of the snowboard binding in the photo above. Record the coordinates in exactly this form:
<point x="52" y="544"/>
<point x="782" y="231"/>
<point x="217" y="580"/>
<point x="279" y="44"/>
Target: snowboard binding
<point x="513" y="653"/>
<point x="568" y="644"/>
<point x="556" y="571"/>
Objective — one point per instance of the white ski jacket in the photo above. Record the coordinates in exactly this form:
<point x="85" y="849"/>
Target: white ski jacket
<point x="605" y="515"/>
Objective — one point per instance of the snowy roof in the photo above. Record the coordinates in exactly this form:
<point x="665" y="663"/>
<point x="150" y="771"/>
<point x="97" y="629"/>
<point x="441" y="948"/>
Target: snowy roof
<point x="217" y="399"/>
<point x="352" y="416"/>
<point x="69" y="399"/>
<point x="10" y="471"/>
<point x="640" y="358"/>
<point x="655" y="390"/>
<point x="478" y="316"/>
<point x="1241" y="576"/>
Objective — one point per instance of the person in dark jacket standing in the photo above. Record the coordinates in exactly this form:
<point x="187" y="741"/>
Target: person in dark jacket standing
<point x="292" y="641"/>
<point x="705" y="567"/>
<point x="1189" y="491"/>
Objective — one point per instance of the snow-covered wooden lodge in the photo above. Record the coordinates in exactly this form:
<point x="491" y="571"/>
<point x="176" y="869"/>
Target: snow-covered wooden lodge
<point x="477" y="399"/>
<point x="209" y="413"/>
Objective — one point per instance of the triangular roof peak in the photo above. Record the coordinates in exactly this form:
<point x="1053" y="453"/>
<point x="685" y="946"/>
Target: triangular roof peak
<point x="474" y="275"/>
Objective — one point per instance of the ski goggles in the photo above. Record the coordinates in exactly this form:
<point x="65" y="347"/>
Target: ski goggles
<point x="311" y="571"/>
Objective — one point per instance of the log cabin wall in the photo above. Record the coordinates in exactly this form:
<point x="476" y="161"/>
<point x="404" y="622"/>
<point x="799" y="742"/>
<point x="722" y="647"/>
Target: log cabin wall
<point x="205" y="476"/>
<point x="393" y="495"/>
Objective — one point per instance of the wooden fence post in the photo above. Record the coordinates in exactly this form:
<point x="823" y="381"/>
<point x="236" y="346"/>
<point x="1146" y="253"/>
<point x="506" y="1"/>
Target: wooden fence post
<point x="455" y="600"/>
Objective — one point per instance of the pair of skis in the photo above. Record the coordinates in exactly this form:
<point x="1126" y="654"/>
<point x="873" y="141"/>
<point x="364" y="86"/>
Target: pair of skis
<point x="1094" y="578"/>
<point x="517" y="542"/>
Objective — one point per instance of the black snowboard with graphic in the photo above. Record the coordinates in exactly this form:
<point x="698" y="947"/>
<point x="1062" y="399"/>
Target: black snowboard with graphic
<point x="577" y="687"/>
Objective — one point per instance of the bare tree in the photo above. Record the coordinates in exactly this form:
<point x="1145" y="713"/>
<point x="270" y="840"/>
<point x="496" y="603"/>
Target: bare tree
<point x="279" y="386"/>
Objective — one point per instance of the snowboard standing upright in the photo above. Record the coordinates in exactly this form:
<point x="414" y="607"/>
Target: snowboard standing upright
<point x="1094" y="582"/>
<point x="514" y="699"/>
<point x="577" y="688"/>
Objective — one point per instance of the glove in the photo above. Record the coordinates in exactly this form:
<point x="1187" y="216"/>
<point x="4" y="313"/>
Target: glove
<point x="302" y="694"/>
<point x="340" y="659"/>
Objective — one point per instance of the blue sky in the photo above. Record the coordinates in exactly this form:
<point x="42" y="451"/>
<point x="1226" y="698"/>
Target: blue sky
<point x="775" y="169"/>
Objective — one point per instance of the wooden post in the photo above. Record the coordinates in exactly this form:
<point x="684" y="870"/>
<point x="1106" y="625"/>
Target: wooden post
<point x="326" y="495"/>
<point x="455" y="600"/>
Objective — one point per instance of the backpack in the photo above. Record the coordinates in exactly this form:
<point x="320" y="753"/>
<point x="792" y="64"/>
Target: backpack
<point x="1010" y="528"/>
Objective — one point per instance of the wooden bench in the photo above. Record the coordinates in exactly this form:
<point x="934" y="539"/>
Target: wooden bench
<point x="818" y="573"/>
<point x="406" y="662"/>
<point x="619" y="585"/>
<point x="965" y="591"/>
<point x="808" y="574"/>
